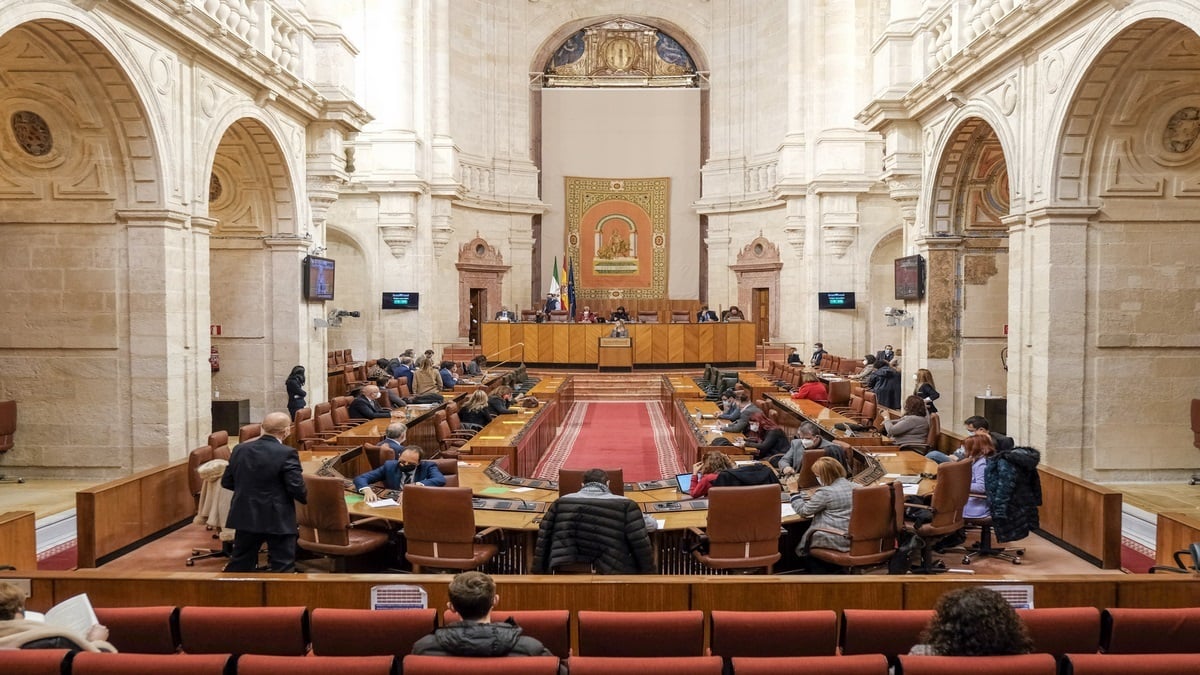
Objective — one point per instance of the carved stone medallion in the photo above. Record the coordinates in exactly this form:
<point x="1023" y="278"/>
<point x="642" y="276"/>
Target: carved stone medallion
<point x="32" y="133"/>
<point x="215" y="189"/>
<point x="1181" y="130"/>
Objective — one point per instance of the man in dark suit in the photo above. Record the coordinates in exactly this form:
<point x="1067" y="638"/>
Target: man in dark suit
<point x="506" y="314"/>
<point x="266" y="480"/>
<point x="365" y="406"/>
<point x="394" y="437"/>
<point x="743" y="420"/>
<point x="886" y="354"/>
<point x="818" y="353"/>
<point x="396" y="473"/>
<point x="706" y="315"/>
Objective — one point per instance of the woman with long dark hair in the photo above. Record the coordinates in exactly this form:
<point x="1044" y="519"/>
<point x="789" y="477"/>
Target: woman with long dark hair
<point x="295" y="390"/>
<point x="926" y="389"/>
<point x="765" y="437"/>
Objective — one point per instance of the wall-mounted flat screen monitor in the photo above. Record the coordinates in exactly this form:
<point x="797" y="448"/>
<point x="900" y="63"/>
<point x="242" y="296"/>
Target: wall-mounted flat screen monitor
<point x="910" y="278"/>
<point x="318" y="276"/>
<point x="835" y="300"/>
<point x="395" y="300"/>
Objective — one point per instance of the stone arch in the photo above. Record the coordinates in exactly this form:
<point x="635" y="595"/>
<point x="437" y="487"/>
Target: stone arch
<point x="254" y="258"/>
<point x="971" y="157"/>
<point x="84" y="225"/>
<point x="546" y="48"/>
<point x="356" y="290"/>
<point x="248" y="150"/>
<point x="1088" y="84"/>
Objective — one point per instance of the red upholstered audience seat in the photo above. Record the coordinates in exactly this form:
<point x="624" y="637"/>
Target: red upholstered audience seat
<point x="773" y="633"/>
<point x="142" y="630"/>
<point x="501" y="665"/>
<point x="93" y="663"/>
<point x="1025" y="664"/>
<point x="642" y="634"/>
<point x="366" y="632"/>
<point x="1063" y="630"/>
<point x="34" y="661"/>
<point x="276" y="631"/>
<point x="1151" y="631"/>
<point x="258" y="664"/>
<point x="551" y="627"/>
<point x="890" y="632"/>
<point x="607" y="665"/>
<point x="862" y="664"/>
<point x="1131" y="664"/>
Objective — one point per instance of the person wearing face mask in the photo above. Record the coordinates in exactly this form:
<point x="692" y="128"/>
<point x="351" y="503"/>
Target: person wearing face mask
<point x="409" y="469"/>
<point x="868" y="367"/>
<point x="765" y="438"/>
<point x="829" y="508"/>
<point x="886" y="354"/>
<point x="807" y="437"/>
<point x="365" y="406"/>
<point x="818" y="353"/>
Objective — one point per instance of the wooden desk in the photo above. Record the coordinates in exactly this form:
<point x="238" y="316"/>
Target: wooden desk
<point x="18" y="539"/>
<point x="653" y="344"/>
<point x="550" y="387"/>
<point x="418" y="417"/>
<point x="683" y="387"/>
<point x="805" y="410"/>
<point x="521" y="439"/>
<point x="756" y="384"/>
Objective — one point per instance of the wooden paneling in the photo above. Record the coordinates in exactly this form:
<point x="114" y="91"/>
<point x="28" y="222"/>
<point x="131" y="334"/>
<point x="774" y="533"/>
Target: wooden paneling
<point x="350" y="591"/>
<point x="654" y="344"/>
<point x="111" y="590"/>
<point x="783" y="593"/>
<point x="120" y="512"/>
<point x="18" y="540"/>
<point x="1176" y="532"/>
<point x="1065" y="500"/>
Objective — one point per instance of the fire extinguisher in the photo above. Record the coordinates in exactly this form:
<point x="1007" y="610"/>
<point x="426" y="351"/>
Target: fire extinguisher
<point x="214" y="359"/>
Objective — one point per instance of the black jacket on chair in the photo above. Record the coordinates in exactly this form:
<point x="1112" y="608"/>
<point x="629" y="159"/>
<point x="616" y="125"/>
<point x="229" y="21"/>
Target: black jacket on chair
<point x="609" y="534"/>
<point x="1014" y="492"/>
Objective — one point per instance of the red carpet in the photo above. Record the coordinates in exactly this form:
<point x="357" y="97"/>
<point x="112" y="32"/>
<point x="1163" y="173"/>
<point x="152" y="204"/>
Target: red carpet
<point x="59" y="558"/>
<point x="632" y="436"/>
<point x="1135" y="558"/>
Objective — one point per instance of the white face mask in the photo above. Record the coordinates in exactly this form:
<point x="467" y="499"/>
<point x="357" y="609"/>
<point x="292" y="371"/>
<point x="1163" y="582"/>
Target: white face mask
<point x="806" y="442"/>
<point x="753" y="427"/>
<point x="819" y="481"/>
<point x="866" y="362"/>
<point x="914" y="377"/>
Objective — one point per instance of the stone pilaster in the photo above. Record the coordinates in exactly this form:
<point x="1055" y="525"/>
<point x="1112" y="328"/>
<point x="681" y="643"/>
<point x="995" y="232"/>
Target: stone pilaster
<point x="294" y="340"/>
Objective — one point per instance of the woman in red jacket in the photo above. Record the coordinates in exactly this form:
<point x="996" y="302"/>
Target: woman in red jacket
<point x="812" y="388"/>
<point x="705" y="472"/>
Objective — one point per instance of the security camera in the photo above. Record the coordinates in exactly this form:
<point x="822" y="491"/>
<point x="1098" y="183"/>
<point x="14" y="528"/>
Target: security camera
<point x="338" y="313"/>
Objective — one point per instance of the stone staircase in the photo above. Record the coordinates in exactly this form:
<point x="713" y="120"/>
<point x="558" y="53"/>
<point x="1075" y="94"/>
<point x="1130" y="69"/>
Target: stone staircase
<point x="617" y="386"/>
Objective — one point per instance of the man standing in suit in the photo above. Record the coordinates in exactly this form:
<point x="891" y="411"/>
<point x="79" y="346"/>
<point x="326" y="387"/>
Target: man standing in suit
<point x="706" y="315"/>
<point x="266" y="480"/>
<point x="396" y="473"/>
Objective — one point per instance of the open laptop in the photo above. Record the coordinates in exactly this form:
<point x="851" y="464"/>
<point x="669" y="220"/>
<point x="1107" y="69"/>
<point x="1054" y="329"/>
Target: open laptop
<point x="683" y="483"/>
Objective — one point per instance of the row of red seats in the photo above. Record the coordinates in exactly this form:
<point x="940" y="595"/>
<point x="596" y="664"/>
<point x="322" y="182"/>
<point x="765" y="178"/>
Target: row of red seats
<point x="294" y="631"/>
<point x="61" y="662"/>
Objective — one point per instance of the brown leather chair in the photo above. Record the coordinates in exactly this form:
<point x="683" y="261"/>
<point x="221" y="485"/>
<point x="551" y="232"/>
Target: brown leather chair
<point x="559" y="316"/>
<point x="249" y="432"/>
<point x="325" y="525"/>
<point x="949" y="498"/>
<point x="341" y="417"/>
<point x="743" y="528"/>
<point x="217" y="439"/>
<point x="876" y="518"/>
<point x="326" y="425"/>
<point x="378" y="454"/>
<point x="8" y="429"/>
<point x="681" y="317"/>
<point x="196" y="458"/>
<point x="449" y="442"/>
<point x="455" y="423"/>
<point x="805" y="478"/>
<point x="571" y="481"/>
<point x="1195" y="434"/>
<point x="307" y="436"/>
<point x="449" y="469"/>
<point x="647" y="316"/>
<point x="529" y="315"/>
<point x="439" y="525"/>
<point x="854" y="410"/>
<point x="931" y="439"/>
<point x="984" y="548"/>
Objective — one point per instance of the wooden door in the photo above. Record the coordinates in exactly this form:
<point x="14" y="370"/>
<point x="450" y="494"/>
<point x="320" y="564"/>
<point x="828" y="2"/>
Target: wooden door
<point x="760" y="305"/>
<point x="479" y="308"/>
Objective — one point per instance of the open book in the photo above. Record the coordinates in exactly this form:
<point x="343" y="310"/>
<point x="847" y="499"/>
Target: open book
<point x="74" y="614"/>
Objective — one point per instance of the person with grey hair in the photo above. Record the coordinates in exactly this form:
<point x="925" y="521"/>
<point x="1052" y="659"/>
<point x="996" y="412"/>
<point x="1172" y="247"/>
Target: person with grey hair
<point x="394" y="437"/>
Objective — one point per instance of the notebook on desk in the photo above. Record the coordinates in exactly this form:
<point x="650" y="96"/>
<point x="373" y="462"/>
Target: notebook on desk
<point x="683" y="482"/>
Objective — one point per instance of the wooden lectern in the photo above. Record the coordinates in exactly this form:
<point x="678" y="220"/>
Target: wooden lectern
<point x="616" y="352"/>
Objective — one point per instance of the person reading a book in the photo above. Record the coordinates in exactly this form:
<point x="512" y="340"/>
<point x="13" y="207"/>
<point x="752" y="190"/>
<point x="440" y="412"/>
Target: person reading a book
<point x="19" y="632"/>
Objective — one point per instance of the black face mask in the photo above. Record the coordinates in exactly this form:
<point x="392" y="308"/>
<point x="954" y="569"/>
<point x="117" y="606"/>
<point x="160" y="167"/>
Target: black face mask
<point x="408" y="468"/>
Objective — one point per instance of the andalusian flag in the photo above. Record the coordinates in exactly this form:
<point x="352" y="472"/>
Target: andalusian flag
<point x="570" y="285"/>
<point x="555" y="287"/>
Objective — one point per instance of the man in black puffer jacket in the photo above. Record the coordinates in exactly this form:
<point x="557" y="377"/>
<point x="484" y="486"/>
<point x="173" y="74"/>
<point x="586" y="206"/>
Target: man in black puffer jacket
<point x="472" y="595"/>
<point x="595" y="527"/>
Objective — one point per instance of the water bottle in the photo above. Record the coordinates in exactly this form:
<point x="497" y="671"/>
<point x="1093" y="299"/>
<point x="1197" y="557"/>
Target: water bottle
<point x="988" y="391"/>
<point x="216" y="393"/>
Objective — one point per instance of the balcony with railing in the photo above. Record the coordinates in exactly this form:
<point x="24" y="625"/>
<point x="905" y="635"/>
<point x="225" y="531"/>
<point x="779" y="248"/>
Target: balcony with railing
<point x="262" y="26"/>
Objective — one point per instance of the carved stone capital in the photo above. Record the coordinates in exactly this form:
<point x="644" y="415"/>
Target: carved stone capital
<point x="838" y="238"/>
<point x="398" y="237"/>
<point x="442" y="224"/>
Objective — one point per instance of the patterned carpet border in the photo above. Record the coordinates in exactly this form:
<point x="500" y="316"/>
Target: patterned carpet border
<point x="560" y="449"/>
<point x="664" y="441"/>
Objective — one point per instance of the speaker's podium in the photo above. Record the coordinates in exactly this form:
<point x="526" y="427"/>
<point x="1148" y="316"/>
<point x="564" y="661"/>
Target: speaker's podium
<point x="616" y="352"/>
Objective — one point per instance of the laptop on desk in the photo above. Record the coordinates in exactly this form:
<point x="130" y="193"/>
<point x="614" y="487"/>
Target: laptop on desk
<point x="683" y="483"/>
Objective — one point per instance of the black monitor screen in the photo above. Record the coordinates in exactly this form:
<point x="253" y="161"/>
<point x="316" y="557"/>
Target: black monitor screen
<point x="393" y="300"/>
<point x="318" y="278"/>
<point x="910" y="278"/>
<point x="835" y="300"/>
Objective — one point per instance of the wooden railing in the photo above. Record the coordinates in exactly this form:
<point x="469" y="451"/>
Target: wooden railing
<point x="1083" y="515"/>
<point x="118" y="513"/>
<point x="18" y="540"/>
<point x="589" y="592"/>
<point x="1175" y="532"/>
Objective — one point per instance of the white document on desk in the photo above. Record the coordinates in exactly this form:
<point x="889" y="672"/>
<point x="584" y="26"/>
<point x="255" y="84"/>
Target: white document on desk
<point x="382" y="502"/>
<point x="522" y="489"/>
<point x="910" y="489"/>
<point x="786" y="510"/>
